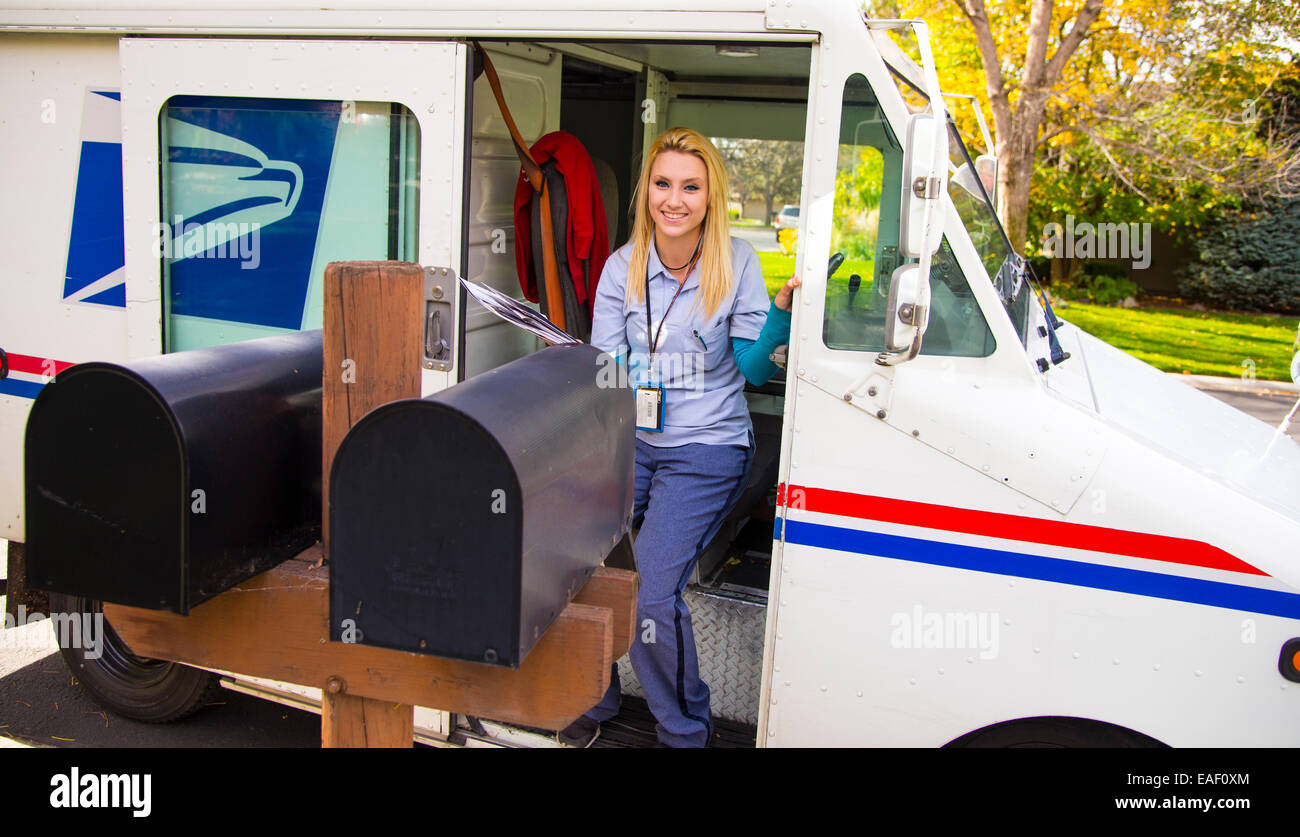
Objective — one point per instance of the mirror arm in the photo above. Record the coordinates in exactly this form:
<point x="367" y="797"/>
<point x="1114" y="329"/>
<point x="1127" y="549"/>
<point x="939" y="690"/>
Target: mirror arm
<point x="919" y="314"/>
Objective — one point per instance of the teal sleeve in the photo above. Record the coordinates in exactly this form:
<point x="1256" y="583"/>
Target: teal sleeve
<point x="752" y="355"/>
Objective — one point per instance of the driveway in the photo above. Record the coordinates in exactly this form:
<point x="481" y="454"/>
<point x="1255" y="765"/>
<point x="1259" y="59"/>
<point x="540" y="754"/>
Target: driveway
<point x="763" y="238"/>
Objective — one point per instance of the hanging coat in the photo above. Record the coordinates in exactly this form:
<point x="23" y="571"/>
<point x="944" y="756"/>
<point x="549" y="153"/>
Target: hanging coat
<point x="585" y="236"/>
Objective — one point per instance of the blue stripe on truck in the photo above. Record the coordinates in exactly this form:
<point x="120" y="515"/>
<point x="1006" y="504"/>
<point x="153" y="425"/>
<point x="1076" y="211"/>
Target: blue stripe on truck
<point x="1024" y="565"/>
<point x="22" y="389"/>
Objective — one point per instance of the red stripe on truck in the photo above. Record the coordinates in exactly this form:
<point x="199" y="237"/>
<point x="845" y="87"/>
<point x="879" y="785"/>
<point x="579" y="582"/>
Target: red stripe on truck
<point x="1015" y="527"/>
<point x="36" y="365"/>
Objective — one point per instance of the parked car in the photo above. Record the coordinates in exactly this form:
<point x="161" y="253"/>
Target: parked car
<point x="786" y="219"/>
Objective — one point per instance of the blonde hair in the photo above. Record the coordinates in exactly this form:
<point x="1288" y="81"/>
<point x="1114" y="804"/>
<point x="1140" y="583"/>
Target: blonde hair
<point x="715" y="254"/>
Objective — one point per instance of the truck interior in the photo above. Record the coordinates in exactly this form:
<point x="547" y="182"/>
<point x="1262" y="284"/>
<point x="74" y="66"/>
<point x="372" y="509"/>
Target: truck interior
<point x="615" y="96"/>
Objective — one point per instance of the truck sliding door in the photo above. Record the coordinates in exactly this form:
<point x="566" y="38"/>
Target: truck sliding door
<point x="249" y="165"/>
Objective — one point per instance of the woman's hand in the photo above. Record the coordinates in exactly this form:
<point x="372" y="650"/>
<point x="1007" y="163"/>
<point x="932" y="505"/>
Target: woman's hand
<point x="785" y="297"/>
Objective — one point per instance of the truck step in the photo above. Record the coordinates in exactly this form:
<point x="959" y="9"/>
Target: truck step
<point x="634" y="726"/>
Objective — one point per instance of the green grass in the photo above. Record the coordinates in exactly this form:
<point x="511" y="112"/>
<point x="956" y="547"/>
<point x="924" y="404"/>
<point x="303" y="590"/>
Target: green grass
<point x="1197" y="343"/>
<point x="778" y="268"/>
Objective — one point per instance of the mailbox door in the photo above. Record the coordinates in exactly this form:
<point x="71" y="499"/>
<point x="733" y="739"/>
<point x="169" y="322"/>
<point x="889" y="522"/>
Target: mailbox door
<point x="250" y="164"/>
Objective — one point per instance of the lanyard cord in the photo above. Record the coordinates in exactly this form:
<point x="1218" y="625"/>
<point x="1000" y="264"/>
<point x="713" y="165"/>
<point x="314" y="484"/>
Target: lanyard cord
<point x="654" y="344"/>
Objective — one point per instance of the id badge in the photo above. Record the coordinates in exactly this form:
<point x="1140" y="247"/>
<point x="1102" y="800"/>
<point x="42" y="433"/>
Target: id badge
<point x="650" y="408"/>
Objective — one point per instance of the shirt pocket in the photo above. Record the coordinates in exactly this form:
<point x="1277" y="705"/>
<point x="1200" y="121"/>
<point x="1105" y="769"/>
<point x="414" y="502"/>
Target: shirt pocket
<point x="712" y="342"/>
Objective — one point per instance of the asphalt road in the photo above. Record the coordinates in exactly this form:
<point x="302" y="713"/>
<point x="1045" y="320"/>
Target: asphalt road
<point x="41" y="704"/>
<point x="763" y="238"/>
<point x="1269" y="408"/>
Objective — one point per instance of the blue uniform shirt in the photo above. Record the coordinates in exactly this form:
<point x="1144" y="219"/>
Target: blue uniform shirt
<point x="703" y="388"/>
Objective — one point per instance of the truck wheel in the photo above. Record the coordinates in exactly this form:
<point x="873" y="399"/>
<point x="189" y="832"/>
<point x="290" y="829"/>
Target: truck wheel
<point x="154" y="691"/>
<point x="1054" y="732"/>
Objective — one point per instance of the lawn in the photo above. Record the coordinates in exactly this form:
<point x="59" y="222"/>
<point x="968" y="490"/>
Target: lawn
<point x="1174" y="340"/>
<point x="778" y="268"/>
<point x="1198" y="343"/>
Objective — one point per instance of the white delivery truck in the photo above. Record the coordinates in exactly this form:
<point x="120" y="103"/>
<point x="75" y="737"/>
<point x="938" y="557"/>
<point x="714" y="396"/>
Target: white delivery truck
<point x="990" y="527"/>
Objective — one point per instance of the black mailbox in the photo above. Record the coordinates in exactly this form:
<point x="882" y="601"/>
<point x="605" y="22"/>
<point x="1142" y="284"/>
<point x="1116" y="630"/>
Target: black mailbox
<point x="461" y="524"/>
<point x="162" y="482"/>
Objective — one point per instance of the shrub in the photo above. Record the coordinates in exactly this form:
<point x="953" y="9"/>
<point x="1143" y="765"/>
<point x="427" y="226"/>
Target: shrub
<point x="1102" y="282"/>
<point x="855" y="234"/>
<point x="1249" y="262"/>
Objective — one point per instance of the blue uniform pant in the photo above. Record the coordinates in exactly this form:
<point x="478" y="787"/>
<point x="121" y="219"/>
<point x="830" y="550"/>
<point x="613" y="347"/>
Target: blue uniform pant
<point x="682" y="496"/>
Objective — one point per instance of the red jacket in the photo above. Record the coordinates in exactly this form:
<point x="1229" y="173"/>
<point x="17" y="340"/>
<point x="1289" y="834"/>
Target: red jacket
<point x="587" y="236"/>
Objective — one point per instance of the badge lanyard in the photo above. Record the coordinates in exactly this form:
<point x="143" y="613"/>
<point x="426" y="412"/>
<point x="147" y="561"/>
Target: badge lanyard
<point x="650" y="399"/>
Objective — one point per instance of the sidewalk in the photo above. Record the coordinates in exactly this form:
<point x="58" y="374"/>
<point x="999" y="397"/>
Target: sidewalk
<point x="1242" y="385"/>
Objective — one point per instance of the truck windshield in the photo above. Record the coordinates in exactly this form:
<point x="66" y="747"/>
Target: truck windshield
<point x="1005" y="269"/>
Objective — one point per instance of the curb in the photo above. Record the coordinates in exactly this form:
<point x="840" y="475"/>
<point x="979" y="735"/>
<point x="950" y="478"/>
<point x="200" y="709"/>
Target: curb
<point x="1249" y="386"/>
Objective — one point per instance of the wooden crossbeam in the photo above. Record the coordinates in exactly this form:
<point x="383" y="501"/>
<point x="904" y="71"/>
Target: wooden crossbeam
<point x="276" y="625"/>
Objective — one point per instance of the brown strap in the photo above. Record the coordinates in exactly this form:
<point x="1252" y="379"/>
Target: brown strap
<point x="531" y="169"/>
<point x="550" y="267"/>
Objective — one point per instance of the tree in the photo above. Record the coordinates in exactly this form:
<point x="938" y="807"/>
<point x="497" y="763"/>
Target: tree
<point x="1144" y="110"/>
<point x="1036" y="79"/>
<point x="1175" y="98"/>
<point x="1018" y="75"/>
<point x="769" y="169"/>
<point x="1247" y="260"/>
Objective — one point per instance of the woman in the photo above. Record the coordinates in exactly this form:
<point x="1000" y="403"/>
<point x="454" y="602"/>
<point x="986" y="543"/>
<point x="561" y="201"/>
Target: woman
<point x="684" y="305"/>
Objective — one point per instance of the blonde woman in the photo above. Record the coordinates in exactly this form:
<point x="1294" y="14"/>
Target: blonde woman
<point x="684" y="307"/>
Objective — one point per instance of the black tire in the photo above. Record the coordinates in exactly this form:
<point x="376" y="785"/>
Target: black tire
<point x="154" y="691"/>
<point x="1054" y="732"/>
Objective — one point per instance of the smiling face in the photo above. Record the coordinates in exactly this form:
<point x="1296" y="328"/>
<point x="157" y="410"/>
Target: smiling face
<point x="678" y="196"/>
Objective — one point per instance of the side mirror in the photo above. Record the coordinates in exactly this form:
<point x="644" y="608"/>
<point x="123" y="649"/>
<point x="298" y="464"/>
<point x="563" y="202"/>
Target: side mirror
<point x="907" y="314"/>
<point x="925" y="178"/>
<point x="1295" y="368"/>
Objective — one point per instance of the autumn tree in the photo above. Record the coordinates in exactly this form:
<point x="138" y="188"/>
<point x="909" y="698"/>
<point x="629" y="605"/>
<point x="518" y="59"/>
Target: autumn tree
<point x="1144" y="110"/>
<point x="1171" y="103"/>
<point x="1050" y="41"/>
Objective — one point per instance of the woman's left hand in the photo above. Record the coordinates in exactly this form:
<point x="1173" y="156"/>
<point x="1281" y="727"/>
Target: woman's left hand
<point x="785" y="297"/>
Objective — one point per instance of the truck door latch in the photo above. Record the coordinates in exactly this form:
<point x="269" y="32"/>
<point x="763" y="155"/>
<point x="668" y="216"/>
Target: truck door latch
<point x="439" y="318"/>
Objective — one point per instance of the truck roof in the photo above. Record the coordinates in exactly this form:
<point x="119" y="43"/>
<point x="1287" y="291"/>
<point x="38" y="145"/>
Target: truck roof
<point x="505" y="18"/>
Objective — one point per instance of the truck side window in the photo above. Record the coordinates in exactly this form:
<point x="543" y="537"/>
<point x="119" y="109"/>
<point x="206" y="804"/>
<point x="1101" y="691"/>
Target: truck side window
<point x="868" y="183"/>
<point x="258" y="195"/>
